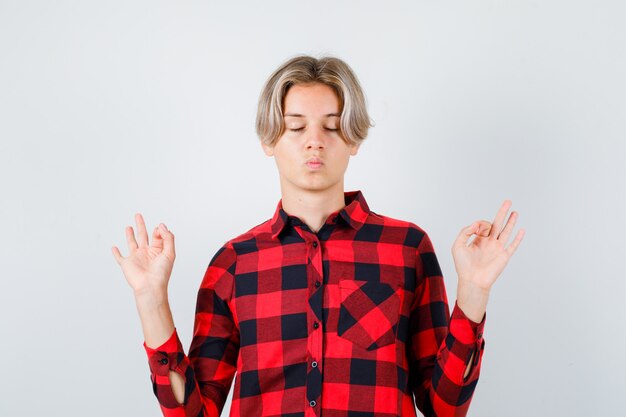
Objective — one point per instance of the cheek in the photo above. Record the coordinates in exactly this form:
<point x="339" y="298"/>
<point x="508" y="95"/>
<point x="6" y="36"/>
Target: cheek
<point x="284" y="163"/>
<point x="343" y="159"/>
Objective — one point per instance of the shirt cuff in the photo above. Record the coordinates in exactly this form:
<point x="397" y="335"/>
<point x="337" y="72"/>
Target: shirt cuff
<point x="166" y="357"/>
<point x="465" y="338"/>
<point x="464" y="329"/>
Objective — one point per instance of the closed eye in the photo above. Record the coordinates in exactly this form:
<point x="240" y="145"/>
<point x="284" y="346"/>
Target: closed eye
<point x="302" y="128"/>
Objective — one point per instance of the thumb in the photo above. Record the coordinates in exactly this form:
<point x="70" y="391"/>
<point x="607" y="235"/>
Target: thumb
<point x="168" y="241"/>
<point x="465" y="234"/>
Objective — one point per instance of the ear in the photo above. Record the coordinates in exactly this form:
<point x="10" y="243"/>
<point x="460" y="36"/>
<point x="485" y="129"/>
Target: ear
<point x="354" y="149"/>
<point x="269" y="150"/>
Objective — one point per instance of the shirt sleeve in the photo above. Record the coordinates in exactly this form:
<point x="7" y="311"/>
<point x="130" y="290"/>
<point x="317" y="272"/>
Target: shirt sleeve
<point x="209" y="368"/>
<point x="440" y="346"/>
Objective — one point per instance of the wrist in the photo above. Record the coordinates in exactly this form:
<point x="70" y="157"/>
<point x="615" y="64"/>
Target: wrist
<point x="472" y="300"/>
<point x="472" y="289"/>
<point x="151" y="299"/>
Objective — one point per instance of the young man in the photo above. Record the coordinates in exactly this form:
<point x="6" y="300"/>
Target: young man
<point x="327" y="308"/>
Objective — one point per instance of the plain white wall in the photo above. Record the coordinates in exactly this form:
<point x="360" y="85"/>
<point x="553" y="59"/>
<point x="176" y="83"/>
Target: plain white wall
<point x="109" y="108"/>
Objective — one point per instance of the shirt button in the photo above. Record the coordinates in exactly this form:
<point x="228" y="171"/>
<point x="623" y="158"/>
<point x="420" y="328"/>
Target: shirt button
<point x="312" y="403"/>
<point x="316" y="325"/>
<point x="317" y="284"/>
<point x="163" y="361"/>
<point x="314" y="364"/>
<point x="315" y="244"/>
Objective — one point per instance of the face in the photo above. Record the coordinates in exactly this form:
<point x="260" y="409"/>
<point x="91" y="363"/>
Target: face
<point x="311" y="114"/>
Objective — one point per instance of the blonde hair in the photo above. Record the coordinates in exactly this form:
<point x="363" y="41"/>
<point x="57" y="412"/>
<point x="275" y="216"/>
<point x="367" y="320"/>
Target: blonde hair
<point x="303" y="69"/>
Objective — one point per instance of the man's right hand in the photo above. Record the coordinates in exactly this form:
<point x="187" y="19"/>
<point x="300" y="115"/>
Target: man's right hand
<point x="148" y="266"/>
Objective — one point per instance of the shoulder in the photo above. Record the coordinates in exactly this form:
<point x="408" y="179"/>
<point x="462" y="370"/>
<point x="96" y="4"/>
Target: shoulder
<point x="413" y="234"/>
<point x="247" y="241"/>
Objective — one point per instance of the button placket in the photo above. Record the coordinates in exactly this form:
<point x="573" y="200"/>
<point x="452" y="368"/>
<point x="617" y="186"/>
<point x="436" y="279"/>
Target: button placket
<point x="315" y="272"/>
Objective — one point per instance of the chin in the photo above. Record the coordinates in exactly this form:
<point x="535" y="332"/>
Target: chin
<point x="311" y="183"/>
<point x="317" y="186"/>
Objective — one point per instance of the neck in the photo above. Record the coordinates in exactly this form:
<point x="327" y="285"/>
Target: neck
<point x="313" y="206"/>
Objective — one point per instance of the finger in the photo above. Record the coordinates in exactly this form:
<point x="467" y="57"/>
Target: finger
<point x="130" y="238"/>
<point x="168" y="241"/>
<point x="465" y="234"/>
<point x="141" y="230"/>
<point x="484" y="228"/>
<point x="513" y="246"/>
<point x="499" y="220"/>
<point x="506" y="232"/>
<point x="157" y="239"/>
<point x="118" y="256"/>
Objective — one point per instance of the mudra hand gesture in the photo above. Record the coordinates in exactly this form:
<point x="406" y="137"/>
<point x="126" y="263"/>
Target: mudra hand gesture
<point x="149" y="265"/>
<point x="479" y="263"/>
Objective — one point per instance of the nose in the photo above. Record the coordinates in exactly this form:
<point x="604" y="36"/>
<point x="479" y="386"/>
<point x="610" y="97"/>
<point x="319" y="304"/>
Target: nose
<point x="315" y="137"/>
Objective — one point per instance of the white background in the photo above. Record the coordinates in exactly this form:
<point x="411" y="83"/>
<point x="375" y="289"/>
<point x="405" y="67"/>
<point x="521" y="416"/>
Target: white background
<point x="114" y="107"/>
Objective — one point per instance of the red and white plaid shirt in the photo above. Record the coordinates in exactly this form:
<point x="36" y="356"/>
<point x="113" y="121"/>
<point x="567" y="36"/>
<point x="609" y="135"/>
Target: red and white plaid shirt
<point x="350" y="321"/>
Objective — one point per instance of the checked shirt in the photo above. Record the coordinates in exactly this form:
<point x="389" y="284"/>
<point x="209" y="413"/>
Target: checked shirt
<point x="350" y="321"/>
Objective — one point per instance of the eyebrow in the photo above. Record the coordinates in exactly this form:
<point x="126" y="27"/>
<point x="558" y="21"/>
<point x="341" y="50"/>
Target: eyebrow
<point x="301" y="115"/>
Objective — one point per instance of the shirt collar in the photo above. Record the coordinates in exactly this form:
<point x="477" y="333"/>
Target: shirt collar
<point x="354" y="213"/>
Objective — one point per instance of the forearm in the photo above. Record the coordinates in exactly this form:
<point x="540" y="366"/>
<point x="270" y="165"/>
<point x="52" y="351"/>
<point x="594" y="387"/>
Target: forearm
<point x="212" y="356"/>
<point x="156" y="318"/>
<point x="446" y="350"/>
<point x="451" y="376"/>
<point x="158" y="325"/>
<point x="457" y="366"/>
<point x="473" y="302"/>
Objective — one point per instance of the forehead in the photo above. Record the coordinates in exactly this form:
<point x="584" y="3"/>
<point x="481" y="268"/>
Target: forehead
<point x="311" y="99"/>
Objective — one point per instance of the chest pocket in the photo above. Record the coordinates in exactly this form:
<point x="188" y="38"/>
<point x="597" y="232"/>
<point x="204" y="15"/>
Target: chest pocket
<point x="368" y="313"/>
